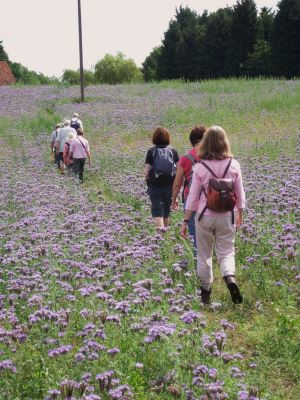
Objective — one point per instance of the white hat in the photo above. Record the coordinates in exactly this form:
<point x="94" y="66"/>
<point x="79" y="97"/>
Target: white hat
<point x="71" y="135"/>
<point x="67" y="122"/>
<point x="75" y="115"/>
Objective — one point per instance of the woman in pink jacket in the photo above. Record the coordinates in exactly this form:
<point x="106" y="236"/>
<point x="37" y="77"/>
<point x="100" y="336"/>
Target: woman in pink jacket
<point x="215" y="227"/>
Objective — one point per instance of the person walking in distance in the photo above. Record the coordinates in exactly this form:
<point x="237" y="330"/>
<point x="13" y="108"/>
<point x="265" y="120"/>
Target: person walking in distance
<point x="76" y="123"/>
<point x="79" y="151"/>
<point x="160" y="171"/>
<point x="217" y="182"/>
<point x="52" y="144"/>
<point x="60" y="143"/>
<point x="184" y="175"/>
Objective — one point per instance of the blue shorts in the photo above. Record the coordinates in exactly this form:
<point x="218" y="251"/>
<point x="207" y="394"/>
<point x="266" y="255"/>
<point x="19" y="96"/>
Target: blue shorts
<point x="161" y="199"/>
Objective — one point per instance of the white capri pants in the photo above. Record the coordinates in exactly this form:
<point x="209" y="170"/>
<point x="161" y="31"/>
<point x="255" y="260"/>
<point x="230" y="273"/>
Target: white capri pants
<point x="218" y="231"/>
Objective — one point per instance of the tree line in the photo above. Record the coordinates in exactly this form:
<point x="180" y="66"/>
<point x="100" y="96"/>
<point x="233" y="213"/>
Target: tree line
<point x="24" y="75"/>
<point x="231" y="42"/>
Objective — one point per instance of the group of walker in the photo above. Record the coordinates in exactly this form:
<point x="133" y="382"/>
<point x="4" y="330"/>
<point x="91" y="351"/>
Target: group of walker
<point x="70" y="148"/>
<point x="213" y="195"/>
<point x="213" y="198"/>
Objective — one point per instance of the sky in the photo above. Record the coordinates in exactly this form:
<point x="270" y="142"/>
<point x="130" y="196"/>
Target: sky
<point x="43" y="34"/>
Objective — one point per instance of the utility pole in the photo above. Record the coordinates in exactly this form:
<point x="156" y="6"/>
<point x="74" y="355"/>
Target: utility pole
<point x="80" y="51"/>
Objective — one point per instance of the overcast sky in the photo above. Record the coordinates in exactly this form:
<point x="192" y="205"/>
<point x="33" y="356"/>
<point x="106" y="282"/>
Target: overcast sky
<point x="43" y="34"/>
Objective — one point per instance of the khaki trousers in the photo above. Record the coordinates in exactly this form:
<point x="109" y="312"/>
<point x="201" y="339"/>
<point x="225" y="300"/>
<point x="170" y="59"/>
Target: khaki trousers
<point x="218" y="232"/>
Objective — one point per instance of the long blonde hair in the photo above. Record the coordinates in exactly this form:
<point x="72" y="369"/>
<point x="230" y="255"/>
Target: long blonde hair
<point x="215" y="144"/>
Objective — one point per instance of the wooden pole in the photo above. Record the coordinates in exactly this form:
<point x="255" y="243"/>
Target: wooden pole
<point x="80" y="52"/>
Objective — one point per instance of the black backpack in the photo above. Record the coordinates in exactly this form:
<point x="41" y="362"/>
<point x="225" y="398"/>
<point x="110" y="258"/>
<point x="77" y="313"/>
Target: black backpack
<point x="75" y="124"/>
<point x="164" y="166"/>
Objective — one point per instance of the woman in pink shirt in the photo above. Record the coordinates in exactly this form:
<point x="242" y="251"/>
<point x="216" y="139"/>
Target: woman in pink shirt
<point x="79" y="151"/>
<point x="68" y="161"/>
<point x="215" y="226"/>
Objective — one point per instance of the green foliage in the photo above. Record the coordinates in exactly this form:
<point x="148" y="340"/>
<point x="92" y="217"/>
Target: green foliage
<point x="265" y="24"/>
<point x="150" y="65"/>
<point x="286" y="39"/>
<point x="217" y="43"/>
<point x="259" y="61"/>
<point x="182" y="46"/>
<point x="25" y="76"/>
<point x="117" y="69"/>
<point x="243" y="36"/>
<point x="72" y="77"/>
<point x="3" y="54"/>
<point x="231" y="42"/>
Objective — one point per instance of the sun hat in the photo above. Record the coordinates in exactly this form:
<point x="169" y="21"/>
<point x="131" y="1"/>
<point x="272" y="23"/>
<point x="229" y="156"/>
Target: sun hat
<point x="71" y="135"/>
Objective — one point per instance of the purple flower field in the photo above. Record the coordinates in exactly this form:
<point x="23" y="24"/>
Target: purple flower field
<point x="94" y="304"/>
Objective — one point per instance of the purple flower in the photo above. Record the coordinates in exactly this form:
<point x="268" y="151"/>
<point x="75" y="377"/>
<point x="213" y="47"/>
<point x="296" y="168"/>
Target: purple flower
<point x="60" y="351"/>
<point x="7" y="365"/>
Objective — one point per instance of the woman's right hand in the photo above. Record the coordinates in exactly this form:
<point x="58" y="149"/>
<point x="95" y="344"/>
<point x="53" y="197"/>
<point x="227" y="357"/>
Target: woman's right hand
<point x="174" y="205"/>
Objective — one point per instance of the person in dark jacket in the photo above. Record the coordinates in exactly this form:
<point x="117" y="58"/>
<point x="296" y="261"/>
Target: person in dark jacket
<point x="160" y="171"/>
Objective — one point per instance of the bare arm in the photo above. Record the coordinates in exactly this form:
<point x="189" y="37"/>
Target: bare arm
<point x="147" y="169"/>
<point x="177" y="185"/>
<point x="187" y="216"/>
<point x="239" y="219"/>
<point x="88" y="153"/>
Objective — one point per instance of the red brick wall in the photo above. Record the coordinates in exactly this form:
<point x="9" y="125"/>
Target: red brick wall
<point x="6" y="76"/>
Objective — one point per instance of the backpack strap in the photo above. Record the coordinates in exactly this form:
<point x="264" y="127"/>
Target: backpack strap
<point x="227" y="168"/>
<point x="190" y="157"/>
<point x="81" y="143"/>
<point x="210" y="170"/>
<point x="202" y="212"/>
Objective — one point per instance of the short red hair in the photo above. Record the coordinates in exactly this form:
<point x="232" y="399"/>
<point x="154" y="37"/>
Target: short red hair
<point x="161" y="136"/>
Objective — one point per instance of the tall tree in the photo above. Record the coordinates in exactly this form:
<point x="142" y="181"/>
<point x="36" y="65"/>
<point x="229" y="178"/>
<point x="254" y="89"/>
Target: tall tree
<point x="3" y="54"/>
<point x="181" y="46"/>
<point x="243" y="35"/>
<point x="265" y="24"/>
<point x="286" y="39"/>
<point x="217" y="43"/>
<point x="150" y="65"/>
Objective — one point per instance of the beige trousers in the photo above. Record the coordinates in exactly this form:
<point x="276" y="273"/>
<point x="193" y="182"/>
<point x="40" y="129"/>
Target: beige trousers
<point x="218" y="232"/>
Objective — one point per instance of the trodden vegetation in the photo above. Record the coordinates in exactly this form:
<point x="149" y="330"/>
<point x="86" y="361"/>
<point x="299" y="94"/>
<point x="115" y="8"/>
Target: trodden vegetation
<point x="93" y="302"/>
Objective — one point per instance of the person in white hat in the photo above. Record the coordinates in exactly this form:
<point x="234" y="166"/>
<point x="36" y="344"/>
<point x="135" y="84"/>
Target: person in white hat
<point x="76" y="123"/>
<point x="60" y="142"/>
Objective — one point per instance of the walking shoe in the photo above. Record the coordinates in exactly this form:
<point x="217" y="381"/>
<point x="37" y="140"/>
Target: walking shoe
<point x="205" y="295"/>
<point x="234" y="290"/>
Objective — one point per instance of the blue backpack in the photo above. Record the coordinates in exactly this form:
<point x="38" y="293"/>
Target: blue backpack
<point x="164" y="166"/>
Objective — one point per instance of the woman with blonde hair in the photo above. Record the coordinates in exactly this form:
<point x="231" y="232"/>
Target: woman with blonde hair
<point x="217" y="195"/>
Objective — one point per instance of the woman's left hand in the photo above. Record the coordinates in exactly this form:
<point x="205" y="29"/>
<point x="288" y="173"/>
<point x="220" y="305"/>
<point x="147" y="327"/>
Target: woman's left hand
<point x="183" y="230"/>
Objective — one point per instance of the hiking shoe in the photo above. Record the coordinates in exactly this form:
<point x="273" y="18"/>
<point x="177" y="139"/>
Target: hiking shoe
<point x="205" y="295"/>
<point x="234" y="290"/>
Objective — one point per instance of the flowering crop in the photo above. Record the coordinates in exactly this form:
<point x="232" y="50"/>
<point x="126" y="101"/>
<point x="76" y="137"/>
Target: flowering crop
<point x="94" y="304"/>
